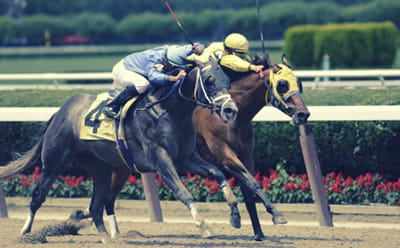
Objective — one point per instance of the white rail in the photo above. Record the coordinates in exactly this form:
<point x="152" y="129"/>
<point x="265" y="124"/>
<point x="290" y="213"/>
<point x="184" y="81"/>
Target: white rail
<point x="321" y="78"/>
<point x="318" y="113"/>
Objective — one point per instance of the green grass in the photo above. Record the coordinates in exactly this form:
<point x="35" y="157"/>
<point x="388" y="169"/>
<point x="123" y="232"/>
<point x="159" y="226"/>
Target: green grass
<point x="58" y="64"/>
<point x="337" y="96"/>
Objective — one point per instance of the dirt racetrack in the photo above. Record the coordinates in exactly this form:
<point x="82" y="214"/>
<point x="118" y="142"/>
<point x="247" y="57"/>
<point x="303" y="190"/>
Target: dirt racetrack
<point x="355" y="226"/>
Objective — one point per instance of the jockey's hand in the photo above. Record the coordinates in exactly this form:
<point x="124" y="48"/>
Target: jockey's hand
<point x="180" y="75"/>
<point x="256" y="68"/>
<point x="198" y="48"/>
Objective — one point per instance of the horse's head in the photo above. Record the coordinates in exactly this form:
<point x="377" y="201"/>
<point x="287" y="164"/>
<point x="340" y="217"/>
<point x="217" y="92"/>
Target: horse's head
<point x="211" y="90"/>
<point x="284" y="92"/>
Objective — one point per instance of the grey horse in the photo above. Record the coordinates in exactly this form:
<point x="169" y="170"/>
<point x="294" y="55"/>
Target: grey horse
<point x="160" y="137"/>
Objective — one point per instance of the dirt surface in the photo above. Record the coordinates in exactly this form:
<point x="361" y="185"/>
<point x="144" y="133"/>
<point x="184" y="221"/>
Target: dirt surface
<point x="355" y="226"/>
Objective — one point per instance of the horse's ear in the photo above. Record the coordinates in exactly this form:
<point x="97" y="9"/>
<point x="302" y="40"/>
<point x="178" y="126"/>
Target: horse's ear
<point x="285" y="61"/>
<point x="213" y="59"/>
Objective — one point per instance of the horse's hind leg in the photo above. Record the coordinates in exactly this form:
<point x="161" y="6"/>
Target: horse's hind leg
<point x="50" y="170"/>
<point x="101" y="174"/>
<point x="119" y="177"/>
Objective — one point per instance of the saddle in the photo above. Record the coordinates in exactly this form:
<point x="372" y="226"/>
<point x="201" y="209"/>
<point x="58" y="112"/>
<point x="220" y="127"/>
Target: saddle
<point x="97" y="126"/>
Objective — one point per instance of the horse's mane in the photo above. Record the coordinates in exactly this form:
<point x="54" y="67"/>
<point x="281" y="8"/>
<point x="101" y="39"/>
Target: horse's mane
<point x="159" y="93"/>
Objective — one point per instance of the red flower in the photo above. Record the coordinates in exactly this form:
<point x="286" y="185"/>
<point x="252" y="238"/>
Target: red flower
<point x="207" y="182"/>
<point x="331" y="176"/>
<point x="265" y="183"/>
<point x="339" y="178"/>
<point x="304" y="178"/>
<point x="24" y="181"/>
<point x="188" y="175"/>
<point x="368" y="177"/>
<point x="214" y="188"/>
<point x="231" y="182"/>
<point x="348" y="182"/>
<point x="257" y="177"/>
<point x="132" y="179"/>
<point x="36" y="174"/>
<point x="305" y="187"/>
<point x="290" y="187"/>
<point x="274" y="175"/>
<point x="360" y="180"/>
<point x="336" y="188"/>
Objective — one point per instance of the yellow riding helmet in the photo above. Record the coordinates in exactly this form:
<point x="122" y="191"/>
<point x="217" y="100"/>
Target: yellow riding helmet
<point x="237" y="42"/>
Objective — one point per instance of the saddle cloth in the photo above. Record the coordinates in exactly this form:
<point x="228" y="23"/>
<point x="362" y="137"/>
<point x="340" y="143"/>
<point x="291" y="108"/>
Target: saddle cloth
<point x="97" y="126"/>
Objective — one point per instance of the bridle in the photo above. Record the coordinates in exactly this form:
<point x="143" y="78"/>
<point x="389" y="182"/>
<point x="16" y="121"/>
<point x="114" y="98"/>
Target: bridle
<point x="213" y="103"/>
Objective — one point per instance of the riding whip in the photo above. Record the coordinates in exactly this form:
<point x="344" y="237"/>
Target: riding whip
<point x="265" y="53"/>
<point x="178" y="22"/>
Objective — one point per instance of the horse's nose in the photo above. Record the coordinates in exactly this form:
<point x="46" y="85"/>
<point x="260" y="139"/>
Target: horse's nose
<point x="230" y="111"/>
<point x="301" y="117"/>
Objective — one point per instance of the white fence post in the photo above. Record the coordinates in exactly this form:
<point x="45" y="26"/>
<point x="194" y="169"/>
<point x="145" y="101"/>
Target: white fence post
<point x="3" y="205"/>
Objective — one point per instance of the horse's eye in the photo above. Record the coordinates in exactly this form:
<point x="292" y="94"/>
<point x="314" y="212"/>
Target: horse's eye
<point x="282" y="87"/>
<point x="210" y="80"/>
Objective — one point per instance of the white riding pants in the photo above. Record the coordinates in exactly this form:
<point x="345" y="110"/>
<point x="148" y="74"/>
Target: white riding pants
<point x="123" y="78"/>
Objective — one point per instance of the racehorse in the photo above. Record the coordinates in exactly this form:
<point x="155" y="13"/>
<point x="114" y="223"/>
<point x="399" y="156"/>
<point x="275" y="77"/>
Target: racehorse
<point x="159" y="134"/>
<point x="230" y="145"/>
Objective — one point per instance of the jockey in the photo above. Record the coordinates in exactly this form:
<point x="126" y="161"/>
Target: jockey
<point x="159" y="66"/>
<point x="232" y="55"/>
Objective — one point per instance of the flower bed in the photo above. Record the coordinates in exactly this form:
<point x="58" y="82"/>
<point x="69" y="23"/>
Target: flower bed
<point x="279" y="186"/>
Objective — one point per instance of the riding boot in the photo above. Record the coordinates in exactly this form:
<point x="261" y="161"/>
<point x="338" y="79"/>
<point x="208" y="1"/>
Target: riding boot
<point x="113" y="108"/>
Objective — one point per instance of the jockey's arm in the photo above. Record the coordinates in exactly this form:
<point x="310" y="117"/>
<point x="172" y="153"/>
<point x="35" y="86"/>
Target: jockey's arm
<point x="237" y="64"/>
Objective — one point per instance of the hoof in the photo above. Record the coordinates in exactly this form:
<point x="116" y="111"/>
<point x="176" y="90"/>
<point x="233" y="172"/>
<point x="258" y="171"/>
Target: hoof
<point x="279" y="219"/>
<point x="259" y="237"/>
<point x="24" y="231"/>
<point x="206" y="231"/>
<point x="235" y="221"/>
<point x="105" y="239"/>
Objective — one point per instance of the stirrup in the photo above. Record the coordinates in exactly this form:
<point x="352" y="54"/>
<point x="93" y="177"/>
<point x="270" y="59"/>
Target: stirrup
<point x="111" y="112"/>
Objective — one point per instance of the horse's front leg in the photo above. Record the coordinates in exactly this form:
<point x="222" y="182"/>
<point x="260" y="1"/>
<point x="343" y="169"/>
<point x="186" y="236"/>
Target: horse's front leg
<point x="197" y="165"/>
<point x="237" y="169"/>
<point x="168" y="173"/>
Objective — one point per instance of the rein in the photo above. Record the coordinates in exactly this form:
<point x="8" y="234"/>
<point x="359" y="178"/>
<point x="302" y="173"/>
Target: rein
<point x="210" y="103"/>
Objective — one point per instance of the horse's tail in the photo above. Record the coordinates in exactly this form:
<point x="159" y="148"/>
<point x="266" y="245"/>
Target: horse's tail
<point x="26" y="160"/>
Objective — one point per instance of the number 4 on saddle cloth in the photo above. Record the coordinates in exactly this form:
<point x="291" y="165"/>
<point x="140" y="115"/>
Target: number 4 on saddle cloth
<point x="97" y="126"/>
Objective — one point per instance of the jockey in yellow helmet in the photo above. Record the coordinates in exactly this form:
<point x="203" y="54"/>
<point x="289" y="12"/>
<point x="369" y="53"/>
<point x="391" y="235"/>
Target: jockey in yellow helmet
<point x="232" y="55"/>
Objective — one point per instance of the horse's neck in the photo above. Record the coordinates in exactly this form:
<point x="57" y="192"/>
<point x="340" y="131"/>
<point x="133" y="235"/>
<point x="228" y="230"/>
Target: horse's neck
<point x="249" y="96"/>
<point x="181" y="104"/>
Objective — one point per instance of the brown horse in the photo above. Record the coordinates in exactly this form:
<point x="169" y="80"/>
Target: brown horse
<point x="230" y="145"/>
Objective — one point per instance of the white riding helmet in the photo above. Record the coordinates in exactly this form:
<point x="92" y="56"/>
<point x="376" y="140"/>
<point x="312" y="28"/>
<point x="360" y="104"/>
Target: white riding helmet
<point x="176" y="55"/>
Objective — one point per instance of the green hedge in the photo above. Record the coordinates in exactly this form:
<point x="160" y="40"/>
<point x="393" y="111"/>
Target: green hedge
<point x="299" y="45"/>
<point x="34" y="27"/>
<point x="206" y="24"/>
<point x="348" y="45"/>
<point x="98" y="26"/>
<point x="6" y="30"/>
<point x="351" y="148"/>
